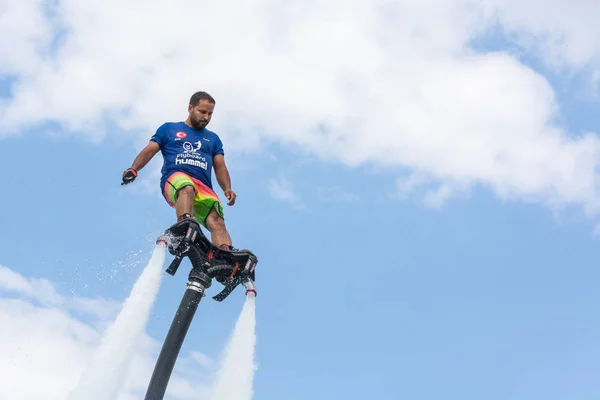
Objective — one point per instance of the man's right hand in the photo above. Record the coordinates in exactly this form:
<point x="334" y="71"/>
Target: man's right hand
<point x="129" y="176"/>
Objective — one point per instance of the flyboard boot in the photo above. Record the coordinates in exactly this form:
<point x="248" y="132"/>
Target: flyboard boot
<point x="228" y="265"/>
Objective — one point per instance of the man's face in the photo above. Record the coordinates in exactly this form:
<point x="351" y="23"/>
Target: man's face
<point x="200" y="114"/>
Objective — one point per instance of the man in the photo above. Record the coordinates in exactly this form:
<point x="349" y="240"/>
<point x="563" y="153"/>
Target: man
<point x="190" y="151"/>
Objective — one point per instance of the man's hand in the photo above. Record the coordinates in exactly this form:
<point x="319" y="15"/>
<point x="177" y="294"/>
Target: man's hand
<point x="230" y="194"/>
<point x="129" y="176"/>
<point x="140" y="162"/>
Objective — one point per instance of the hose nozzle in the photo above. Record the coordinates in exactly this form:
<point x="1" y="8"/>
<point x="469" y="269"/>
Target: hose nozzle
<point x="249" y="286"/>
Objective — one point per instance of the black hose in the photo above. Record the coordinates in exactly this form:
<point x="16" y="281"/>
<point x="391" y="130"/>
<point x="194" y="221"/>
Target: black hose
<point x="173" y="342"/>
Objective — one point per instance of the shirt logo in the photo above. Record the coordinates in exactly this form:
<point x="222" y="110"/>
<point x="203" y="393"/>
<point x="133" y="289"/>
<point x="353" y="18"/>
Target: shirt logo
<point x="189" y="148"/>
<point x="181" y="135"/>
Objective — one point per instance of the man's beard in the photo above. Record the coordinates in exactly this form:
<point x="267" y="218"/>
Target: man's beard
<point x="198" y="124"/>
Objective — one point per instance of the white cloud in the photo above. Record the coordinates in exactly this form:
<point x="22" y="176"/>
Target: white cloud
<point x="390" y="83"/>
<point x="281" y="189"/>
<point x="564" y="33"/>
<point x="24" y="35"/>
<point x="42" y="289"/>
<point x="42" y="341"/>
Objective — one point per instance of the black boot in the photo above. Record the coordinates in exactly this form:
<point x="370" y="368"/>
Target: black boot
<point x="193" y="226"/>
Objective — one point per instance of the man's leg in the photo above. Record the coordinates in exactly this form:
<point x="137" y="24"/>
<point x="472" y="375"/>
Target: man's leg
<point x="185" y="201"/>
<point x="216" y="225"/>
<point x="179" y="190"/>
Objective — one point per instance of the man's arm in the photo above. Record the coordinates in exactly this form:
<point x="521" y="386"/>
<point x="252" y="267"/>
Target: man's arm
<point x="140" y="161"/>
<point x="223" y="178"/>
<point x="145" y="155"/>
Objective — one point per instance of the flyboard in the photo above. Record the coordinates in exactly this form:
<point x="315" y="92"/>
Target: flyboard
<point x="229" y="267"/>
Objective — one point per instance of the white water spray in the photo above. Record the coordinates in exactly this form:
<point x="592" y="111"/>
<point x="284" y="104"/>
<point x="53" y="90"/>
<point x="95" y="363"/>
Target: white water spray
<point x="105" y="374"/>
<point x="234" y="379"/>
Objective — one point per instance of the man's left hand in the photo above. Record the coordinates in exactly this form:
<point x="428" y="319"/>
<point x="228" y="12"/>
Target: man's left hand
<point x="230" y="194"/>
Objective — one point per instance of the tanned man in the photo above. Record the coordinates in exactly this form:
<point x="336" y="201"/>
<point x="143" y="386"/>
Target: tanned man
<point x="190" y="152"/>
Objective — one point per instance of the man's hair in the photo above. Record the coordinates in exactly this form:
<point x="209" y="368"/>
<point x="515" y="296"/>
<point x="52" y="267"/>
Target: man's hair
<point x="196" y="97"/>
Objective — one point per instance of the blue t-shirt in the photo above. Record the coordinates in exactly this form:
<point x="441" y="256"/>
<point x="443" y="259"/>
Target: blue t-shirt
<point x="187" y="150"/>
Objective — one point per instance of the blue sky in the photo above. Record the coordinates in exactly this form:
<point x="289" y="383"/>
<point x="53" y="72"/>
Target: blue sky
<point x="480" y="299"/>
<point x="484" y="289"/>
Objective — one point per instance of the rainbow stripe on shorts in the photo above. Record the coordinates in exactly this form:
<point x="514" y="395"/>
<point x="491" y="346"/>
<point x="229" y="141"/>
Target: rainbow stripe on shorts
<point x="204" y="201"/>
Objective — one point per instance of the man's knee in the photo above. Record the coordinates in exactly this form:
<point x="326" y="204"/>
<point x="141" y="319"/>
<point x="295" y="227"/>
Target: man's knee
<point x="214" y="222"/>
<point x="187" y="191"/>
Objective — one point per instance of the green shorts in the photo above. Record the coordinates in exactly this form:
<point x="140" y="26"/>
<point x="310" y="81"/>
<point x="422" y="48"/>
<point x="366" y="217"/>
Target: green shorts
<point x="204" y="201"/>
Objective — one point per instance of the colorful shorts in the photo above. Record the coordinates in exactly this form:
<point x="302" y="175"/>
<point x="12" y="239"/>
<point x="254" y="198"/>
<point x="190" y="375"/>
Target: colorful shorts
<point x="205" y="198"/>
